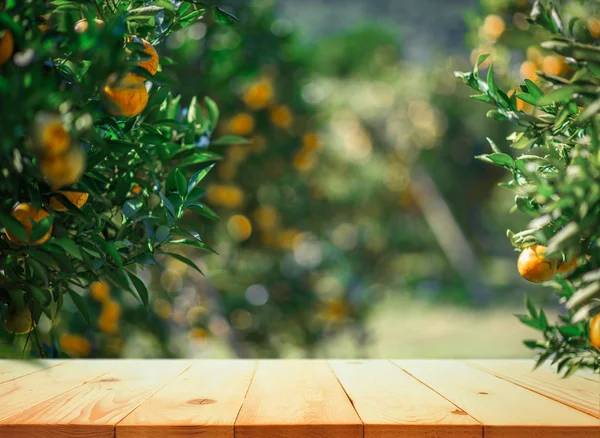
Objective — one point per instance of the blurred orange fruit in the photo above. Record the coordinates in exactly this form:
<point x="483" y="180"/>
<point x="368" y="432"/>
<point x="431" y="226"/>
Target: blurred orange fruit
<point x="311" y="142"/>
<point x="126" y="96"/>
<point x="18" y="321"/>
<point x="26" y="213"/>
<point x="100" y="291"/>
<point x="594" y="26"/>
<point x="49" y="135"/>
<point x="534" y="267"/>
<point x="74" y="345"/>
<point x="78" y="199"/>
<point x="258" y="144"/>
<point x="534" y="55"/>
<point x="226" y="195"/>
<point x="281" y="116"/>
<point x="239" y="227"/>
<point x="63" y="170"/>
<point x="241" y="124"/>
<point x="82" y="26"/>
<point x="529" y="70"/>
<point x="7" y="46"/>
<point x="303" y="161"/>
<point x="493" y="27"/>
<point x="266" y="218"/>
<point x="554" y="65"/>
<point x="595" y="331"/>
<point x="567" y="266"/>
<point x="259" y="94"/>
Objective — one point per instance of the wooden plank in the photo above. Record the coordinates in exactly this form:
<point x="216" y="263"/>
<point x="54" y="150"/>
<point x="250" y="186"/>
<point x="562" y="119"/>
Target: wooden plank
<point x="28" y="391"/>
<point x="93" y="409"/>
<point x="391" y="403"/>
<point x="505" y="409"/>
<point x="296" y="399"/>
<point x="12" y="369"/>
<point x="577" y="392"/>
<point x="203" y="401"/>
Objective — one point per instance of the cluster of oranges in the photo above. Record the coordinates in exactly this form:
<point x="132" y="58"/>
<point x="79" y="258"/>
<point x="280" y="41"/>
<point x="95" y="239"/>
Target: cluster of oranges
<point x="108" y="321"/>
<point x="534" y="266"/>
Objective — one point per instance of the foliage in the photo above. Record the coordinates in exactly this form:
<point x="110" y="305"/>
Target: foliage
<point x="555" y="177"/>
<point x="77" y="65"/>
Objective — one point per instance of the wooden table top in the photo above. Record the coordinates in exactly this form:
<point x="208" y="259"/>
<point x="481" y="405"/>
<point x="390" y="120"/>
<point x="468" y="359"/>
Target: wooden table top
<point x="295" y="399"/>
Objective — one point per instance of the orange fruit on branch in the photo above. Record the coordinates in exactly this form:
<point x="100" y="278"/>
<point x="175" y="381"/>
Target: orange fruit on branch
<point x="493" y="27"/>
<point x="534" y="266"/>
<point x="100" y="291"/>
<point x="63" y="170"/>
<point x="150" y="65"/>
<point x="124" y="96"/>
<point x="50" y="136"/>
<point x="259" y="94"/>
<point x="26" y="213"/>
<point x="82" y="26"/>
<point x="7" y="46"/>
<point x="241" y="124"/>
<point x="18" y="321"/>
<point x="595" y="331"/>
<point x="78" y="199"/>
<point x="568" y="265"/>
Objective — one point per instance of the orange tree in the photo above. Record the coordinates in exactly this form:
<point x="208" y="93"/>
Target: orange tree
<point x="556" y="180"/>
<point x="318" y="217"/>
<point x="99" y="162"/>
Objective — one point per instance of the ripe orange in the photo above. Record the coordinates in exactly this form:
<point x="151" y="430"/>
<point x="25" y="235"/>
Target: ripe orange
<point x="239" y="227"/>
<point x="311" y="142"/>
<point x="63" y="170"/>
<point x="241" y="124"/>
<point x="49" y="135"/>
<point x="150" y="65"/>
<point x="125" y="96"/>
<point x="83" y="25"/>
<point x="7" y="46"/>
<point x="281" y="116"/>
<point x="259" y="94"/>
<point x="226" y="195"/>
<point x="493" y="27"/>
<point x="594" y="26"/>
<point x="528" y="70"/>
<point x="533" y="266"/>
<point x="567" y="266"/>
<point x="595" y="331"/>
<point x="25" y="213"/>
<point x="100" y="291"/>
<point x="76" y="198"/>
<point x="18" y="321"/>
<point x="74" y="345"/>
<point x="554" y="65"/>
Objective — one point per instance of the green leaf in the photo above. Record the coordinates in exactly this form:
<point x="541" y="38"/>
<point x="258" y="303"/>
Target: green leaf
<point x="112" y="250"/>
<point x="197" y="177"/>
<point x="15" y="227"/>
<point x="223" y="17"/>
<point x="194" y="243"/>
<point x="491" y="81"/>
<point x="213" y="112"/>
<point x="499" y="159"/>
<point x="230" y="139"/>
<point x="184" y="260"/>
<point x="201" y="157"/>
<point x="181" y="183"/>
<point x="533" y="89"/>
<point x="140" y="287"/>
<point x="40" y="228"/>
<point x="69" y="246"/>
<point x="80" y="304"/>
<point x="204" y="210"/>
<point x="561" y="94"/>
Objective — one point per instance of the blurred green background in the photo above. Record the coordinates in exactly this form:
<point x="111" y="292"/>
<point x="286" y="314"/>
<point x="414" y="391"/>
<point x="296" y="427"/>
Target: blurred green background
<point x="357" y="221"/>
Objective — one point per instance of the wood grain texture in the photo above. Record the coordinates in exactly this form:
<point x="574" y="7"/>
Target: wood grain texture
<point x="93" y="409"/>
<point x="25" y="392"/>
<point x="204" y="401"/>
<point x="296" y="399"/>
<point x="391" y="403"/>
<point x="576" y="391"/>
<point x="12" y="369"/>
<point x="505" y="409"/>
